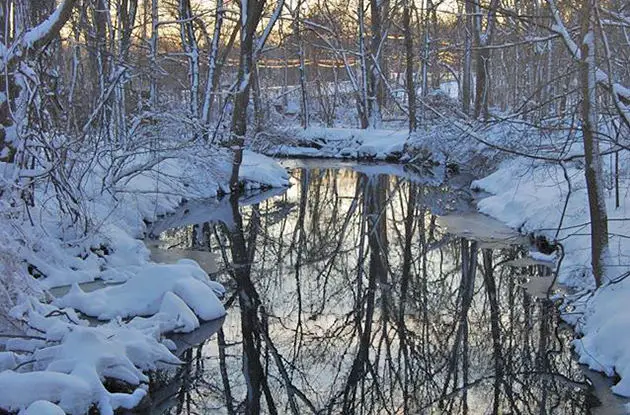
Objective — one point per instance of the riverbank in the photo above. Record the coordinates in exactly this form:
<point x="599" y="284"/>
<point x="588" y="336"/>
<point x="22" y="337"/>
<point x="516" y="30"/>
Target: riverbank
<point x="437" y="143"/>
<point x="545" y="199"/>
<point x="50" y="350"/>
<point x="527" y="195"/>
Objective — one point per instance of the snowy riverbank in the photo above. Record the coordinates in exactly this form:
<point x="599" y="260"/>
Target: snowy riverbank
<point x="444" y="142"/>
<point x="49" y="351"/>
<point x="531" y="196"/>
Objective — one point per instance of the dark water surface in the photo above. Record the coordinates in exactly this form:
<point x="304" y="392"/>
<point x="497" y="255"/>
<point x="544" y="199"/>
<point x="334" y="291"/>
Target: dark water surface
<point x="348" y="294"/>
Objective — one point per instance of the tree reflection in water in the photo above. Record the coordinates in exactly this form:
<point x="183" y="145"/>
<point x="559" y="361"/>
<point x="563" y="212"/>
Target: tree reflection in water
<point x="348" y="298"/>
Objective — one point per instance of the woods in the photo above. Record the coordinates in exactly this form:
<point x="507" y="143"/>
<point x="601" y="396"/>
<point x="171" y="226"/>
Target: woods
<point x="114" y="113"/>
<point x="120" y="69"/>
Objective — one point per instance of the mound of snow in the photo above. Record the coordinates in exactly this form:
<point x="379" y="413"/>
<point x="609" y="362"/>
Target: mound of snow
<point x="43" y="408"/>
<point x="20" y="390"/>
<point x="144" y="295"/>
<point x="605" y="344"/>
<point x="69" y="367"/>
<point x="261" y="171"/>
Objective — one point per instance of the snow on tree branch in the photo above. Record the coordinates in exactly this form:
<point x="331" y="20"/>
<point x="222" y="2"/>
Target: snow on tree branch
<point x="42" y="34"/>
<point x="619" y="91"/>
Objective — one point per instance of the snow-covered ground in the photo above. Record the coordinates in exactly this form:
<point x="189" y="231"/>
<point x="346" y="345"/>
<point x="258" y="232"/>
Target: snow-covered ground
<point x="351" y="143"/>
<point x="440" y="142"/>
<point x="53" y="353"/>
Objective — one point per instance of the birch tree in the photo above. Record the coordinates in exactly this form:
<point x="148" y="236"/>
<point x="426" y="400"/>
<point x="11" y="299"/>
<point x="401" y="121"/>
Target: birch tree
<point x="153" y="54"/>
<point x="191" y="49"/>
<point x="213" y="54"/>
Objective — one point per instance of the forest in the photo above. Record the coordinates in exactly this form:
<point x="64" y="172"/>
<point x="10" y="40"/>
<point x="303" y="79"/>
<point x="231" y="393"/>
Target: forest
<point x="318" y="176"/>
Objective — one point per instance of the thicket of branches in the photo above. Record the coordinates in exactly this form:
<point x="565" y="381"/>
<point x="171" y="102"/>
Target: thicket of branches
<point x="90" y="82"/>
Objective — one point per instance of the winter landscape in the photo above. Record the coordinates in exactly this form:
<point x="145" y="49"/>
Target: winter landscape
<point x="314" y="207"/>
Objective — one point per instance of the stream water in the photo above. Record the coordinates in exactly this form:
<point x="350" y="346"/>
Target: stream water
<point x="370" y="289"/>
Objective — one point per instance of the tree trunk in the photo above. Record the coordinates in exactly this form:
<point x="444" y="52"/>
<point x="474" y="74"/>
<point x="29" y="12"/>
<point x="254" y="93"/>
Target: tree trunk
<point x="302" y="68"/>
<point x="375" y="86"/>
<point x="409" y="66"/>
<point x="593" y="169"/>
<point x="363" y="106"/>
<point x="250" y="14"/>
<point x="482" y="42"/>
<point x="191" y="48"/>
<point x="241" y="103"/>
<point x="153" y="88"/>
<point x="432" y="29"/>
<point x="213" y="54"/>
<point x="466" y="76"/>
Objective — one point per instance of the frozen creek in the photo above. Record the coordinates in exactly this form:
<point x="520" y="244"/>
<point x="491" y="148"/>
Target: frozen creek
<point x="370" y="289"/>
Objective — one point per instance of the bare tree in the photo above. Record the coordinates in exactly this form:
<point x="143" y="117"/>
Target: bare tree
<point x="251" y="12"/>
<point x="191" y="49"/>
<point x="467" y="60"/>
<point x="409" y="66"/>
<point x="593" y="169"/>
<point x="20" y="42"/>
<point x="482" y="41"/>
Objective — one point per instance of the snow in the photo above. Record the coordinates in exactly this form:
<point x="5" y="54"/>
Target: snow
<point x="7" y="361"/>
<point x="142" y="295"/>
<point x="605" y="344"/>
<point x="40" y="31"/>
<point x="20" y="390"/>
<point x="530" y="196"/>
<point x="71" y="361"/>
<point x="539" y="256"/>
<point x="441" y="139"/>
<point x="345" y="143"/>
<point x="261" y="171"/>
<point x="43" y="408"/>
<point x="60" y="360"/>
<point x="185" y="319"/>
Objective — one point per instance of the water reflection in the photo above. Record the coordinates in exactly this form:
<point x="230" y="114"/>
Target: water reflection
<point x="348" y="297"/>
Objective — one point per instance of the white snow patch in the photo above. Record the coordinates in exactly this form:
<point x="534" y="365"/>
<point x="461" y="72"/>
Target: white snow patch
<point x="42" y="408"/>
<point x="143" y="294"/>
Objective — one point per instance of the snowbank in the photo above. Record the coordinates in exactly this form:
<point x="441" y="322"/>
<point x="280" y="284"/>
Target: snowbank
<point x="350" y="143"/>
<point x="441" y="141"/>
<point x="71" y="359"/>
<point x="259" y="171"/>
<point x="57" y="362"/>
<point x="531" y="196"/>
<point x="145" y="294"/>
<point x="43" y="408"/>
<point x="604" y="344"/>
